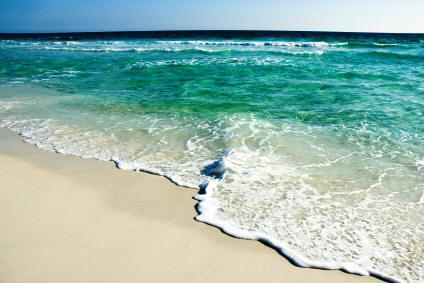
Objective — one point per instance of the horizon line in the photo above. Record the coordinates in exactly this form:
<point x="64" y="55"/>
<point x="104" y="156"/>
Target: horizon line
<point x="201" y="30"/>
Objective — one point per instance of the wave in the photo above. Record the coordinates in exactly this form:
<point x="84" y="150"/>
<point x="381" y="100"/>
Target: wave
<point x="47" y="136"/>
<point x="384" y="44"/>
<point x="170" y="45"/>
<point x="253" y="43"/>
<point x="300" y="53"/>
<point x="392" y="55"/>
<point x="375" y="45"/>
<point x="124" y="49"/>
<point x="199" y="46"/>
<point x="206" y="213"/>
<point x="73" y="141"/>
<point x="190" y="50"/>
<point x="138" y="45"/>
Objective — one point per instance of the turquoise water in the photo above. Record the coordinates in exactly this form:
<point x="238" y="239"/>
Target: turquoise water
<point x="313" y="142"/>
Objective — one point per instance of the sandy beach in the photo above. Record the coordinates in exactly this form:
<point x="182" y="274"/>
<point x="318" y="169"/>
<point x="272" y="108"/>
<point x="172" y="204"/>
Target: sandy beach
<point x="69" y="219"/>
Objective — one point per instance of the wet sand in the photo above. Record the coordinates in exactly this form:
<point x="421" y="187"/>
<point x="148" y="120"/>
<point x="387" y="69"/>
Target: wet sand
<point x="69" y="219"/>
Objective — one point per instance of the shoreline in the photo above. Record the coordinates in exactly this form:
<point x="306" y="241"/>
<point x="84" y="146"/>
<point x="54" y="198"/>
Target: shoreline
<point x="69" y="219"/>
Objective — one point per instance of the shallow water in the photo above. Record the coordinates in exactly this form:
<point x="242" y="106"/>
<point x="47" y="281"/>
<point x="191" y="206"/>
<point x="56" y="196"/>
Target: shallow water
<point x="313" y="142"/>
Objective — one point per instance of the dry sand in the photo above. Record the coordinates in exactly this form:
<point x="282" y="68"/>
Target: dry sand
<point x="69" y="219"/>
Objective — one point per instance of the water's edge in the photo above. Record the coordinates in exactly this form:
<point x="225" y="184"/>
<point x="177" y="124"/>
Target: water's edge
<point x="206" y="215"/>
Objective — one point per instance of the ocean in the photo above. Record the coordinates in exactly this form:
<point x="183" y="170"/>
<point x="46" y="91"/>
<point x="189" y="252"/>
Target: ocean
<point x="310" y="142"/>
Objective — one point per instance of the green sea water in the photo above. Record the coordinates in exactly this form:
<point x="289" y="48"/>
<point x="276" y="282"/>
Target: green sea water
<point x="312" y="142"/>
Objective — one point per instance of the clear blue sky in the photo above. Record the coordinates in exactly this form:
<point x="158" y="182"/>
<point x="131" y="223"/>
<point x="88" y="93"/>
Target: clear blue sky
<point x="113" y="15"/>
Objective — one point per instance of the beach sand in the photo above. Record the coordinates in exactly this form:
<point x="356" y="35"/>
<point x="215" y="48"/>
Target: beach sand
<point x="69" y="219"/>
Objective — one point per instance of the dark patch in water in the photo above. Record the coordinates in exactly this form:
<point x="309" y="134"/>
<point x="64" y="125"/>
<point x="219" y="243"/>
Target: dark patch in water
<point x="216" y="169"/>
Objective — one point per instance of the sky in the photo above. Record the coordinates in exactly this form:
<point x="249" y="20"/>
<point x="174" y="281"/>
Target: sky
<point x="126" y="15"/>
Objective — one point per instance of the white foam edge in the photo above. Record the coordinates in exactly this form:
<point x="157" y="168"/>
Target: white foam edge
<point x="207" y="215"/>
<point x="124" y="165"/>
<point x="207" y="208"/>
